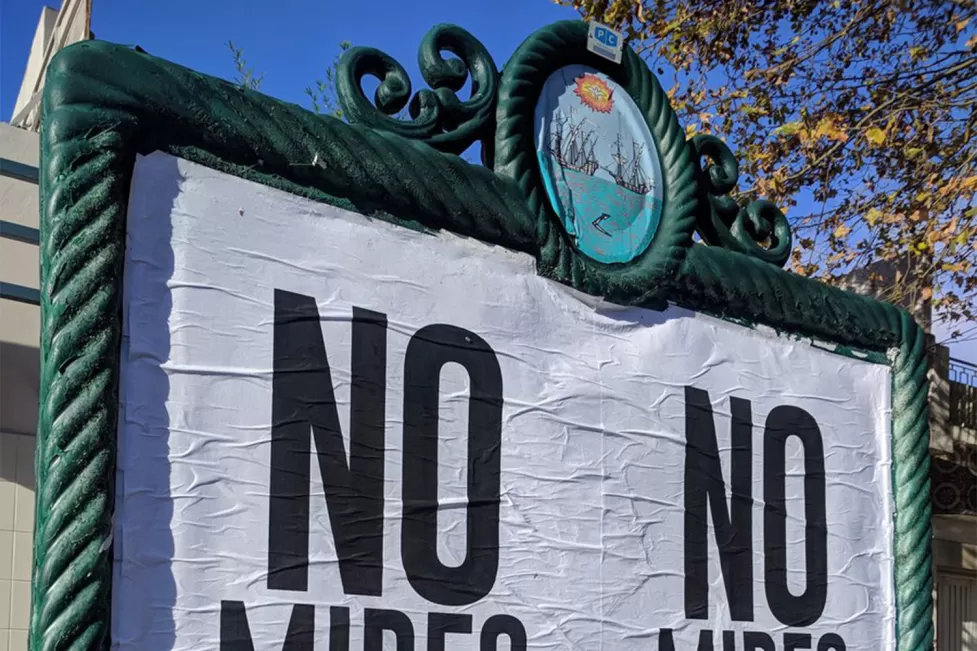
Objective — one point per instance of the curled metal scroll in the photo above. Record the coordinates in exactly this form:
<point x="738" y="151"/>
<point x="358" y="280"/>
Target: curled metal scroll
<point x="437" y="117"/>
<point x="758" y="229"/>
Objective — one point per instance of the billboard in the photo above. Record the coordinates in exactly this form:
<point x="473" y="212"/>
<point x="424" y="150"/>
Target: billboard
<point x="314" y="386"/>
<point x="377" y="433"/>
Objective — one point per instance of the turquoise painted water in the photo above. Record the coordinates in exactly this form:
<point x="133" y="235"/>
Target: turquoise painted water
<point x="610" y="223"/>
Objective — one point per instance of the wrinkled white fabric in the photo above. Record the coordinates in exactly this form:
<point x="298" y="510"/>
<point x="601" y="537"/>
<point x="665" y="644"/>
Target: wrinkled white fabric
<point x="591" y="549"/>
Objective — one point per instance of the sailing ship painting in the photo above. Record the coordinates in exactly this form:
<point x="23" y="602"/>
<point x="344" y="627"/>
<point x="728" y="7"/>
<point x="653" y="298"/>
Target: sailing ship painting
<point x="599" y="164"/>
<point x="572" y="145"/>
<point x="627" y="172"/>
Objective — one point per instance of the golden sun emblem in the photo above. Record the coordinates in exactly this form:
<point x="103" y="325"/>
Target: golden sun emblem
<point x="594" y="92"/>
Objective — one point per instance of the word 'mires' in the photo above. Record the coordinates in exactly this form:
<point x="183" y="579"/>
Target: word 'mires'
<point x="304" y="408"/>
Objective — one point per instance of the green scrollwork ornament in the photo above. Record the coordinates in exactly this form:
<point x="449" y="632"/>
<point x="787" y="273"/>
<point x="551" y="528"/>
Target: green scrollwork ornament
<point x="759" y="229"/>
<point x="437" y="117"/>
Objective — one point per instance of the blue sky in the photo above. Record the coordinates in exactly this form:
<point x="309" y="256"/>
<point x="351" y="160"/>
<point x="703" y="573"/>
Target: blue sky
<point x="291" y="41"/>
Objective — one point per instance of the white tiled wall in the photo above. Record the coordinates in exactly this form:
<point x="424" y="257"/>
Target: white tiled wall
<point x="16" y="527"/>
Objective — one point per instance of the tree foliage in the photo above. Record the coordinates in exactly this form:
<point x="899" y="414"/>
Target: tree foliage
<point x="246" y="77"/>
<point x="322" y="93"/>
<point x="855" y="116"/>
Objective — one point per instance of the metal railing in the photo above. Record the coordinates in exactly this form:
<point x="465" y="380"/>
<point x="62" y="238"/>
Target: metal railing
<point x="963" y="372"/>
<point x="963" y="393"/>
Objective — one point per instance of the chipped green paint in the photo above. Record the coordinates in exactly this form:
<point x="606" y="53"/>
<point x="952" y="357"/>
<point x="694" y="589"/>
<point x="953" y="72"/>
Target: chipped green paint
<point x="104" y="104"/>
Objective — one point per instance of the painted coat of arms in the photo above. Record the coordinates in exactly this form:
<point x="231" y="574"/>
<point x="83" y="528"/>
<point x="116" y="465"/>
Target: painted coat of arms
<point x="599" y="164"/>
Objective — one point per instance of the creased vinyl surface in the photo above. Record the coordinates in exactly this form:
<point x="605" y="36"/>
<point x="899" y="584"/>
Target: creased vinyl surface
<point x="599" y="497"/>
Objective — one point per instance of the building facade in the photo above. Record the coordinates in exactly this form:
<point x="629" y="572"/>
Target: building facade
<point x="953" y="446"/>
<point x="19" y="379"/>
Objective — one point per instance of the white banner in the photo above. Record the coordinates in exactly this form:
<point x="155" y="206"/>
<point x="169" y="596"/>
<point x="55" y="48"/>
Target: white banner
<point x="338" y="434"/>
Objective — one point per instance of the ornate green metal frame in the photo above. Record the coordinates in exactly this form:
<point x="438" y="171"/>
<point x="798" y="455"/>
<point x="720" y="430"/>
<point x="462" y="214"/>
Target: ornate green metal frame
<point x="104" y="104"/>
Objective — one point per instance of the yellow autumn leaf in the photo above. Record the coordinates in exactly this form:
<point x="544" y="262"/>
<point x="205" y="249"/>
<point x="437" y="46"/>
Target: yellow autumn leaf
<point x="875" y="135"/>
<point x="749" y="109"/>
<point x="841" y="231"/>
<point x="829" y="128"/>
<point x="789" y="128"/>
<point x="956" y="267"/>
<point x="641" y="14"/>
<point x="873" y="216"/>
<point x="961" y="24"/>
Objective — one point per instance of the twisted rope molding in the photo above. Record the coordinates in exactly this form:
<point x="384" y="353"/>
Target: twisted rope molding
<point x="75" y="456"/>
<point x="747" y="288"/>
<point x="105" y="104"/>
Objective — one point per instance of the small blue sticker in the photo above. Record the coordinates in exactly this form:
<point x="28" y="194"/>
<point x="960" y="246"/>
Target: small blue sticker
<point x="604" y="41"/>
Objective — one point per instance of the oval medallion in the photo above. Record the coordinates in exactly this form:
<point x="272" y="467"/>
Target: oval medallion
<point x="599" y="164"/>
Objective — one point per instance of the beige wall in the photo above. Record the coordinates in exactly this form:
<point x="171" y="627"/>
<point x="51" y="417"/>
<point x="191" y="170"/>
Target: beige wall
<point x="19" y="322"/>
<point x="18" y="198"/>
<point x="18" y="262"/>
<point x="19" y="377"/>
<point x="16" y="529"/>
